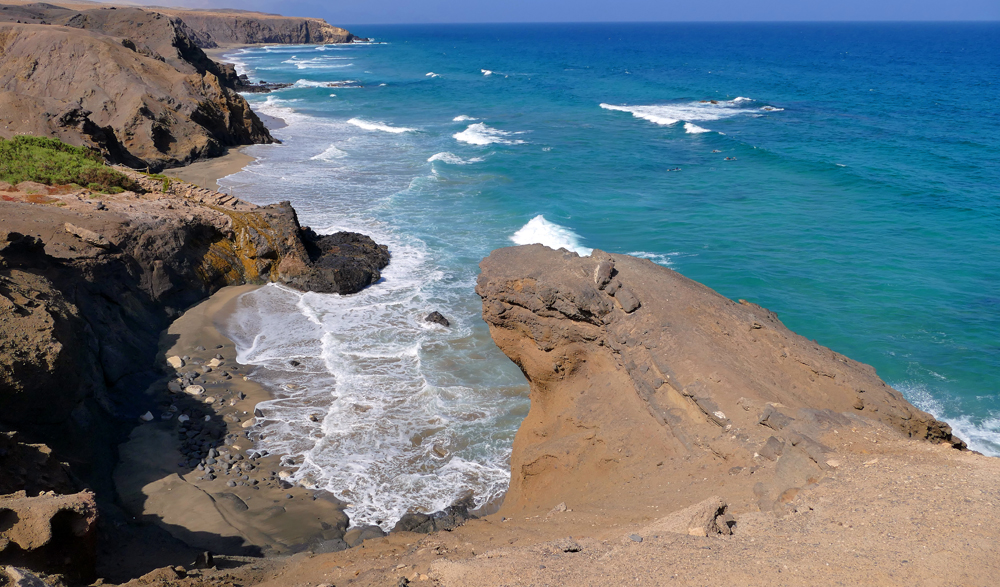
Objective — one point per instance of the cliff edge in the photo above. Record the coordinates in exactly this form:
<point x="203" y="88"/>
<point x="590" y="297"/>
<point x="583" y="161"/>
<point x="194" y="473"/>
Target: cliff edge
<point x="637" y="372"/>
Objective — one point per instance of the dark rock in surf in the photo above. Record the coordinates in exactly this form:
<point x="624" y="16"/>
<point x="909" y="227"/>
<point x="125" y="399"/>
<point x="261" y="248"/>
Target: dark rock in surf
<point x="436" y="318"/>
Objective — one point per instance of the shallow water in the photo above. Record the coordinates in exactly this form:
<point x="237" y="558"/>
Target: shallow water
<point x="845" y="176"/>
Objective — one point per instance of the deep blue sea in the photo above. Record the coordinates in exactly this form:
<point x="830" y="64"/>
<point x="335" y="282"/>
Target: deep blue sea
<point x="845" y="176"/>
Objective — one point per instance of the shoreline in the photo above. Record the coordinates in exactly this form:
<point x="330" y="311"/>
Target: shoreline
<point x="202" y="479"/>
<point x="206" y="173"/>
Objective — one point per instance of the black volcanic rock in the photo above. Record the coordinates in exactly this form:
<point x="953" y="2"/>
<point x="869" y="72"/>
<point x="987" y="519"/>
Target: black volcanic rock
<point x="344" y="263"/>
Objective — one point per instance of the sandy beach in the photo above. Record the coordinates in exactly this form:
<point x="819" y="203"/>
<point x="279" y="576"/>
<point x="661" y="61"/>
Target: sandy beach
<point x="193" y="469"/>
<point x="206" y="173"/>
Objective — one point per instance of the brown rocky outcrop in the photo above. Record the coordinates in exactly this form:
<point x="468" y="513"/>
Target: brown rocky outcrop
<point x="101" y="89"/>
<point x="213" y="27"/>
<point x="638" y="373"/>
<point x="56" y="532"/>
<point x="82" y="305"/>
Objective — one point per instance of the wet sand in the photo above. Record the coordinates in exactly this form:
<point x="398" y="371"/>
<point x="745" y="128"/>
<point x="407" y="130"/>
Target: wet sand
<point x="193" y="469"/>
<point x="208" y="172"/>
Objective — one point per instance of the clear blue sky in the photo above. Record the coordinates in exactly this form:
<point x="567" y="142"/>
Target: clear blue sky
<point x="448" y="11"/>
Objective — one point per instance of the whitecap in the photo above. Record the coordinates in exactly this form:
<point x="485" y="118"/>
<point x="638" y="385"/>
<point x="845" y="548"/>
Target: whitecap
<point x="453" y="159"/>
<point x="540" y="231"/>
<point x="374" y="125"/>
<point x="318" y="62"/>
<point x="463" y="118"/>
<point x="982" y="434"/>
<point x="480" y="134"/>
<point x="308" y="83"/>
<point x="332" y="152"/>
<point x="486" y="72"/>
<point x="702" y="110"/>
<point x="659" y="259"/>
<point x="432" y="74"/>
<point x="694" y="129"/>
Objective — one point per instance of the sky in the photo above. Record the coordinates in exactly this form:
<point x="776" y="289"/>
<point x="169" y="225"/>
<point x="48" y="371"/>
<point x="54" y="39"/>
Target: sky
<point x="343" y="12"/>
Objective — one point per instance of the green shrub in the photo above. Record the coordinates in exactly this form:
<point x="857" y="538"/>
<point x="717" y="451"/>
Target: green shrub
<point x="53" y="162"/>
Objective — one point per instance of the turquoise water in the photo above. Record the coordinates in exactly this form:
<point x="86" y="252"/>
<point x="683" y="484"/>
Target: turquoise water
<point x="846" y="177"/>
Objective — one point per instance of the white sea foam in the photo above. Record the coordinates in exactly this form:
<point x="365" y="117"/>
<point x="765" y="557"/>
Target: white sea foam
<point x="463" y="118"/>
<point x="694" y="129"/>
<point x="480" y="134"/>
<point x="323" y="62"/>
<point x="374" y="125"/>
<point x="486" y="72"/>
<point x="453" y="159"/>
<point x="432" y="74"/>
<point x="307" y="83"/>
<point x="391" y="395"/>
<point x="540" y="231"/>
<point x="660" y="259"/>
<point x="689" y="112"/>
<point x="982" y="434"/>
<point x="332" y="152"/>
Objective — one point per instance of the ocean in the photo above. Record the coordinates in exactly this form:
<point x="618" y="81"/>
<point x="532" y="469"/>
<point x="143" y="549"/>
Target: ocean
<point x="845" y="176"/>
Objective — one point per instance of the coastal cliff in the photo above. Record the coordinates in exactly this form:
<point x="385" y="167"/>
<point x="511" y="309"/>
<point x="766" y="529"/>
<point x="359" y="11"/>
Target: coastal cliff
<point x="220" y="27"/>
<point x="88" y="282"/>
<point x="135" y="83"/>
<point x="699" y="383"/>
<point x="90" y="89"/>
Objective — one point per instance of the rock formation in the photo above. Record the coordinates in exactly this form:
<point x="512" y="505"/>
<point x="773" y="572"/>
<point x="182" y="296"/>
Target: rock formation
<point x="219" y="27"/>
<point x="637" y="372"/>
<point x="82" y="306"/>
<point x="129" y="82"/>
<point x="57" y="532"/>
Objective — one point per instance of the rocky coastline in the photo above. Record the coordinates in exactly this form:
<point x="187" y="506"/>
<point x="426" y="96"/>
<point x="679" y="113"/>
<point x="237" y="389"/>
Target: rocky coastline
<point x="142" y="90"/>
<point x="674" y="436"/>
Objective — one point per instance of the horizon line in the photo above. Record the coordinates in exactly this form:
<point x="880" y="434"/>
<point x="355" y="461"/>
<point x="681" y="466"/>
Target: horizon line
<point x="550" y="22"/>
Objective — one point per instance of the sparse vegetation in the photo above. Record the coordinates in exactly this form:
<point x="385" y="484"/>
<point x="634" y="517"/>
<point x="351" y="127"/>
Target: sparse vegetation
<point x="53" y="162"/>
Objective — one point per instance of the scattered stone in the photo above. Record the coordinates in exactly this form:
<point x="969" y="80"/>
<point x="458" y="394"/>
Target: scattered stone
<point x="249" y="423"/>
<point x="175" y="362"/>
<point x="205" y="560"/>
<point x="627" y="300"/>
<point x="199" y="348"/>
<point x="772" y="449"/>
<point x="88" y="236"/>
<point x="18" y="577"/>
<point x="635" y="538"/>
<point x="183" y="418"/>
<point x="435" y="317"/>
<point x="174" y="386"/>
<point x="194" y="390"/>
<point x="602" y="273"/>
<point x="147" y="417"/>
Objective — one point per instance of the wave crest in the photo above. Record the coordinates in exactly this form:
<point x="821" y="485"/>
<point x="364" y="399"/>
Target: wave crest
<point x="540" y="231"/>
<point x="480" y="134"/>
<point x="379" y="126"/>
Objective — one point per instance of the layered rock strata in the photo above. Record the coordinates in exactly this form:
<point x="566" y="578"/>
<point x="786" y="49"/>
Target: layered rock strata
<point x="128" y="82"/>
<point x="219" y="27"/>
<point x="638" y="373"/>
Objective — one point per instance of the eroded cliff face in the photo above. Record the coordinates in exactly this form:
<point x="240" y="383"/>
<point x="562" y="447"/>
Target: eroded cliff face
<point x="639" y="375"/>
<point x="214" y="27"/>
<point x="97" y="87"/>
<point x="87" y="285"/>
